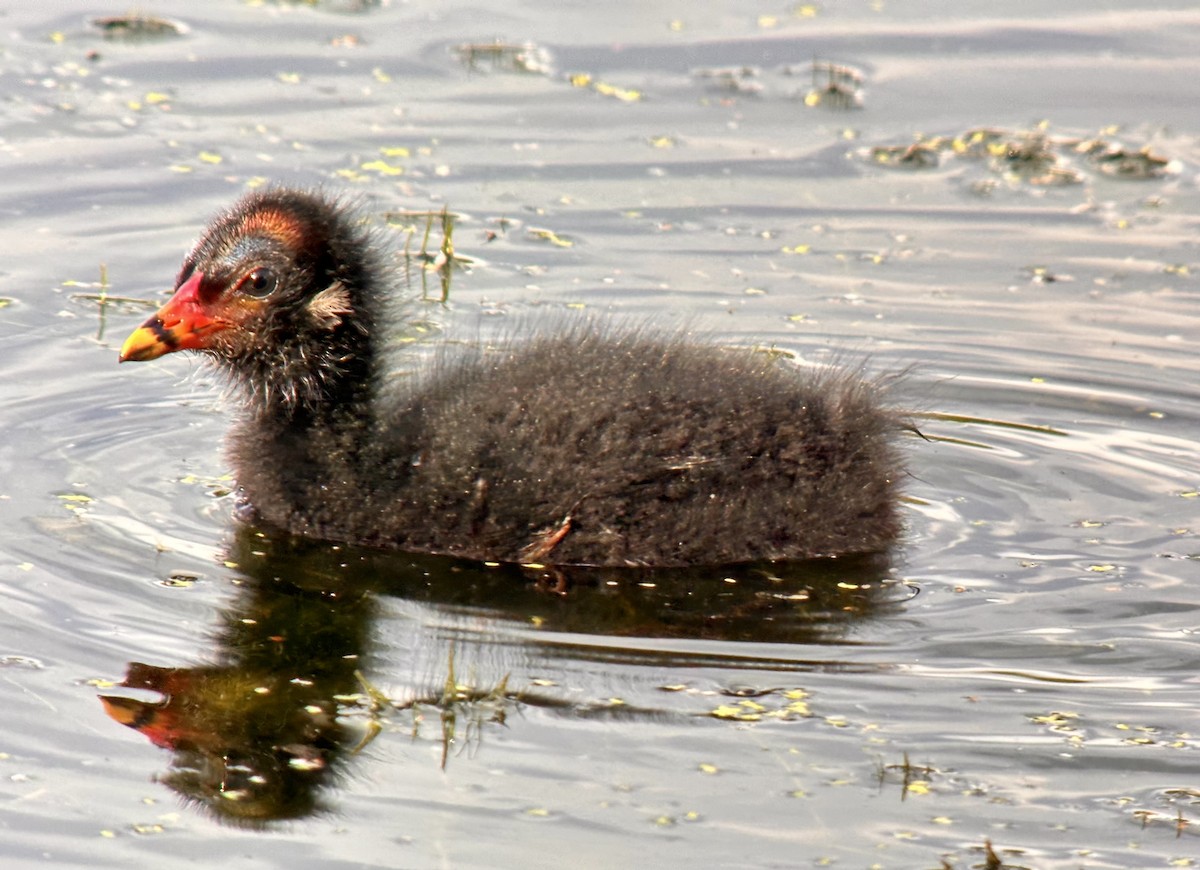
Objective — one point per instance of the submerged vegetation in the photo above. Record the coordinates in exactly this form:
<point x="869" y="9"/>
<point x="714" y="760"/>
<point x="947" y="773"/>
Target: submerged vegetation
<point x="441" y="260"/>
<point x="134" y="27"/>
<point x="1029" y="156"/>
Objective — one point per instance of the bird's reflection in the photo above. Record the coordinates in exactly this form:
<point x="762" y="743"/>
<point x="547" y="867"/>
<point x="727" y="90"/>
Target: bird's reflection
<point x="260" y="734"/>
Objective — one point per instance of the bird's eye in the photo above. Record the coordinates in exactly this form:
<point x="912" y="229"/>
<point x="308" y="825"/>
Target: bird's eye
<point x="259" y="284"/>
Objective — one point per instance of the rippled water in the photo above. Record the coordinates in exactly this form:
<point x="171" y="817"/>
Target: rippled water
<point x="1023" y="673"/>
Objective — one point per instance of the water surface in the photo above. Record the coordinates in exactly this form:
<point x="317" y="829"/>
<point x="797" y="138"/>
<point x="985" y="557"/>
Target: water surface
<point x="1022" y="673"/>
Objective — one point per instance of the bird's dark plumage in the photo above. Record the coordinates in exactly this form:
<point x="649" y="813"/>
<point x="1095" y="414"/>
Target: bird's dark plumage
<point x="586" y="447"/>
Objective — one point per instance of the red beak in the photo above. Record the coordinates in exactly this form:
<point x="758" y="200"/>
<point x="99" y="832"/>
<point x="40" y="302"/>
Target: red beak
<point x="184" y="323"/>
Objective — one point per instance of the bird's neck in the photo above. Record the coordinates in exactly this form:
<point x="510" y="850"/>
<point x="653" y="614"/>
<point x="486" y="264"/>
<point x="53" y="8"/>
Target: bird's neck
<point x="338" y="394"/>
<point x="306" y="384"/>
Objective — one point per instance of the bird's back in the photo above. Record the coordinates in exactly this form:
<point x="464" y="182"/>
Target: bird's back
<point x="593" y="449"/>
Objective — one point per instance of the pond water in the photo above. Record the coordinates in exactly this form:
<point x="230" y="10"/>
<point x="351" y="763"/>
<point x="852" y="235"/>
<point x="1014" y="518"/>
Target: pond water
<point x="999" y="199"/>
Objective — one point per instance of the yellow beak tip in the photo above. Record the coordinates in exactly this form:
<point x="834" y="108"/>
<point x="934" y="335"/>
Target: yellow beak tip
<point x="142" y="344"/>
